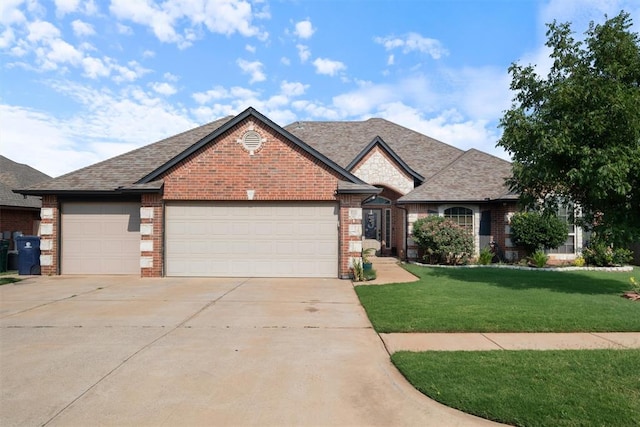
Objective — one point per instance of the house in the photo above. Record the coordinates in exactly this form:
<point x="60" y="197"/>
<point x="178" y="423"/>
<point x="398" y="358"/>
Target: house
<point x="243" y="196"/>
<point x="18" y="213"/>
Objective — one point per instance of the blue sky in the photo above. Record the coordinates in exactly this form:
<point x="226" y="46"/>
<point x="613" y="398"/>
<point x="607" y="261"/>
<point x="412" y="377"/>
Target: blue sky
<point x="83" y="81"/>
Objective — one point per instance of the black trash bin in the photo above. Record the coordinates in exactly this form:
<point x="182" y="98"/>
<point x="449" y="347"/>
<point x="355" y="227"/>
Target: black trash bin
<point x="28" y="255"/>
<point x="4" y="255"/>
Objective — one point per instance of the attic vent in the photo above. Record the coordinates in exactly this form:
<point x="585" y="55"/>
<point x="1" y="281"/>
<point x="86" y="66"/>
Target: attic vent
<point x="251" y="141"/>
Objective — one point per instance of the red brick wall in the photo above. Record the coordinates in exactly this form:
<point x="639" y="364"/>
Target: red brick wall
<point x="51" y="202"/>
<point x="499" y="214"/>
<point x="25" y="220"/>
<point x="225" y="171"/>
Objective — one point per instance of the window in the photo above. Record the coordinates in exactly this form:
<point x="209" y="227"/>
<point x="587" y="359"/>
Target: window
<point x="569" y="246"/>
<point x="462" y="216"/>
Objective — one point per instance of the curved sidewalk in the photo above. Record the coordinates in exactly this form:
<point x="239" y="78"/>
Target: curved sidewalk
<point x="388" y="271"/>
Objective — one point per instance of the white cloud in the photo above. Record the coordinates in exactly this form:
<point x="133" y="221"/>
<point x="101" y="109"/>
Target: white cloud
<point x="391" y="59"/>
<point x="250" y="48"/>
<point x="163" y="88"/>
<point x="293" y="88"/>
<point x="328" y="66"/>
<point x="10" y="12"/>
<point x="219" y="93"/>
<point x="81" y="29"/>
<point x="66" y="6"/>
<point x="42" y="31"/>
<point x="170" y="77"/>
<point x="253" y="68"/>
<point x="304" y="29"/>
<point x="7" y="38"/>
<point x="54" y="155"/>
<point x="218" y="16"/>
<point x="303" y="52"/>
<point x="95" y="67"/>
<point x="285" y="61"/>
<point x="413" y="42"/>
<point x="124" y="29"/>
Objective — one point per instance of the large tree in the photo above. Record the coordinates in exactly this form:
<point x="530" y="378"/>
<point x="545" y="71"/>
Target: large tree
<point x="575" y="135"/>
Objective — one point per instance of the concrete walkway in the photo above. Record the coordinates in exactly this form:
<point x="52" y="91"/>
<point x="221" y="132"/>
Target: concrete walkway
<point x="389" y="271"/>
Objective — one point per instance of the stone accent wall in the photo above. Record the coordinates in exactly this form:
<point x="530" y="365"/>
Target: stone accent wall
<point x="49" y="227"/>
<point x="376" y="168"/>
<point x="151" y="235"/>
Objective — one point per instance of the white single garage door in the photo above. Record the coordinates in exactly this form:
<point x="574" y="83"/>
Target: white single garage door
<point x="252" y="239"/>
<point x="100" y="238"/>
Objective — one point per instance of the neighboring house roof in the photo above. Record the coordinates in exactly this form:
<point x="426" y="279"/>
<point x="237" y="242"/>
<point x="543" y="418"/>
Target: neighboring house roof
<point x="140" y="170"/>
<point x="473" y="176"/>
<point x="16" y="175"/>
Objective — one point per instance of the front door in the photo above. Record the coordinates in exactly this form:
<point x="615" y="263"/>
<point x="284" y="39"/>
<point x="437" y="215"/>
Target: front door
<point x="372" y="229"/>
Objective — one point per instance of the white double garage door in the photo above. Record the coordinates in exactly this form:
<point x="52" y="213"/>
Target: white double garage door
<point x="221" y="239"/>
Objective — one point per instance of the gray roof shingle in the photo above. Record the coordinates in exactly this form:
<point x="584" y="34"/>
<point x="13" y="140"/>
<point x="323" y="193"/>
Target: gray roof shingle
<point x="126" y="169"/>
<point x="343" y="141"/>
<point x="473" y="176"/>
<point x="14" y="176"/>
<point x="449" y="173"/>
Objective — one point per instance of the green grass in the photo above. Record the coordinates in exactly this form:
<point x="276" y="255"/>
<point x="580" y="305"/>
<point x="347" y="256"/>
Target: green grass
<point x="532" y="388"/>
<point x="7" y="280"/>
<point x="502" y="300"/>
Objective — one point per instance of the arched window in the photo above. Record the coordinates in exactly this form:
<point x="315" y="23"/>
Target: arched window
<point x="462" y="216"/>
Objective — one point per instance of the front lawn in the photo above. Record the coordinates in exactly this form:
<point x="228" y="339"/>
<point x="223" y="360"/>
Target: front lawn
<point x="503" y="300"/>
<point x="532" y="388"/>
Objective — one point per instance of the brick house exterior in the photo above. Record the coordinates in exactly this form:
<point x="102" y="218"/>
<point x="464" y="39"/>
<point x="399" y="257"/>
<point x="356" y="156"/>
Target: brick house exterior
<point x="18" y="213"/>
<point x="299" y="200"/>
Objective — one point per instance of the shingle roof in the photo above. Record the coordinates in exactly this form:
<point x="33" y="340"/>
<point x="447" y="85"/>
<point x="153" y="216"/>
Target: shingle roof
<point x="16" y="175"/>
<point x="125" y="170"/>
<point x="343" y="141"/>
<point x="473" y="176"/>
<point x="449" y="173"/>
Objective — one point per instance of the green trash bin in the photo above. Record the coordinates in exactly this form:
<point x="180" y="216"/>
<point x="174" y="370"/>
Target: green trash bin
<point x="4" y="255"/>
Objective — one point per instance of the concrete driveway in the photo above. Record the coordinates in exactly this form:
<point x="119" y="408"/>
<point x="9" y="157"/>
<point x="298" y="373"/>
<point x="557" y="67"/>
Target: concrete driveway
<point x="128" y="351"/>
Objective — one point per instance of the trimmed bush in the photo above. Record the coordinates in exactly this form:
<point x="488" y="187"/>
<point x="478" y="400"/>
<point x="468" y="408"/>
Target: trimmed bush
<point x="534" y="231"/>
<point x="442" y="240"/>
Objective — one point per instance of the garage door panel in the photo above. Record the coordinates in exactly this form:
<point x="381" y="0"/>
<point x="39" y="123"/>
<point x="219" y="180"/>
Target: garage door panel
<point x="100" y="238"/>
<point x="252" y="239"/>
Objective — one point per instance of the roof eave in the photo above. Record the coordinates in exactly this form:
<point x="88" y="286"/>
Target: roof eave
<point x="249" y="112"/>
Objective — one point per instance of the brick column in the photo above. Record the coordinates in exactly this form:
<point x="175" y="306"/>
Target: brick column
<point x="350" y="232"/>
<point x="49" y="220"/>
<point x="151" y="220"/>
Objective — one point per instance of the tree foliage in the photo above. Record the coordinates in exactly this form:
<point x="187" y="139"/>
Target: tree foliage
<point x="534" y="231"/>
<point x="575" y="135"/>
<point x="442" y="240"/>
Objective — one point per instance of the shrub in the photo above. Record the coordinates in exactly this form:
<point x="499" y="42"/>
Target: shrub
<point x="358" y="271"/>
<point x="534" y="231"/>
<point x="579" y="261"/>
<point x="600" y="254"/>
<point x="539" y="258"/>
<point x="485" y="257"/>
<point x="442" y="240"/>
